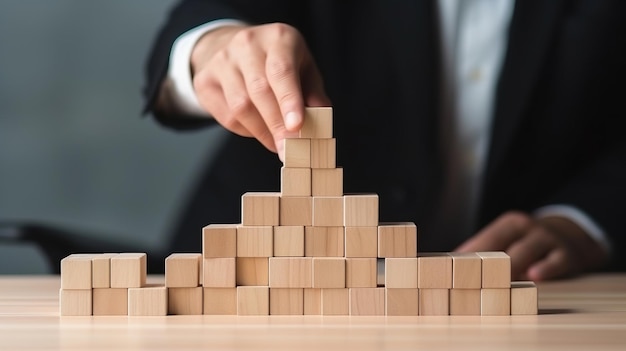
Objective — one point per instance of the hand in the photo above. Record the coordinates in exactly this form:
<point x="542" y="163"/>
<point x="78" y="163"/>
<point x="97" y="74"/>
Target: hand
<point x="540" y="249"/>
<point x="256" y="80"/>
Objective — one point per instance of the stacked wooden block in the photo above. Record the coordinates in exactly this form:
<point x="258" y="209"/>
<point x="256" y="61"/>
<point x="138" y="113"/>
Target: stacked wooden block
<point x="313" y="250"/>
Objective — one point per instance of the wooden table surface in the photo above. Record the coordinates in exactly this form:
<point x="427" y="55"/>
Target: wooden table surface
<point x="587" y="313"/>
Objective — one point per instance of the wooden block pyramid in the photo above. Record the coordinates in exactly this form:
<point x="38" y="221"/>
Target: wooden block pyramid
<point x="308" y="250"/>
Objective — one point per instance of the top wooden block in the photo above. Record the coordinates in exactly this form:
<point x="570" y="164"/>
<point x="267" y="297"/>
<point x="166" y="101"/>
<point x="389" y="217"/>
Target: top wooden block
<point x="76" y="272"/>
<point x="182" y="270"/>
<point x="318" y="123"/>
<point x="128" y="270"/>
<point x="466" y="270"/>
<point x="219" y="240"/>
<point x="397" y="240"/>
<point x="260" y="209"/>
<point x="434" y="271"/>
<point x="496" y="267"/>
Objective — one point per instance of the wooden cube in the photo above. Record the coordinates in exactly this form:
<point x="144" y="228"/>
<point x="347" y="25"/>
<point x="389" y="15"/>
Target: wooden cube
<point x="101" y="271"/>
<point x="367" y="301"/>
<point x="361" y="273"/>
<point x="323" y="241"/>
<point x="324" y="153"/>
<point x="181" y="270"/>
<point x="110" y="302"/>
<point x="335" y="302"/>
<point x="466" y="270"/>
<point x="128" y="270"/>
<point x="495" y="302"/>
<point x="260" y="209"/>
<point x="253" y="300"/>
<point x="252" y="271"/>
<point x="327" y="182"/>
<point x="312" y="301"/>
<point x="401" y="273"/>
<point x="360" y="210"/>
<point x="496" y="269"/>
<point x="328" y="211"/>
<point x="295" y="181"/>
<point x="297" y="153"/>
<point x="361" y="241"/>
<point x="185" y="301"/>
<point x="296" y="210"/>
<point x="76" y="273"/>
<point x="523" y="298"/>
<point x="434" y="302"/>
<point x="397" y="240"/>
<point x="289" y="241"/>
<point x="318" y="123"/>
<point x="219" y="272"/>
<point x="147" y="301"/>
<point x="220" y="301"/>
<point x="75" y="302"/>
<point x="434" y="271"/>
<point x="255" y="241"/>
<point x="465" y="302"/>
<point x="291" y="272"/>
<point x="401" y="302"/>
<point x="329" y="272"/>
<point x="286" y="301"/>
<point x="219" y="240"/>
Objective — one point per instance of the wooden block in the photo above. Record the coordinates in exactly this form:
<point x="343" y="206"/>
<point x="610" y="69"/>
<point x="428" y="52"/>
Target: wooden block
<point x="327" y="182"/>
<point x="200" y="271"/>
<point x="181" y="270"/>
<point x="397" y="240"/>
<point x="295" y="181"/>
<point x="76" y="272"/>
<point x="328" y="211"/>
<point x="495" y="302"/>
<point x="286" y="301"/>
<point x="312" y="301"/>
<point x="323" y="153"/>
<point x="219" y="240"/>
<point x="434" y="271"/>
<point x="329" y="272"/>
<point x="128" y="270"/>
<point x="318" y="123"/>
<point x="110" y="302"/>
<point x="296" y="210"/>
<point x="465" y="302"/>
<point x="297" y="153"/>
<point x="101" y="271"/>
<point x="401" y="273"/>
<point x="260" y="209"/>
<point x="335" y="302"/>
<point x="75" y="302"/>
<point x="220" y="301"/>
<point x="323" y="241"/>
<point x="252" y="271"/>
<point x="253" y="300"/>
<point x="255" y="241"/>
<point x="466" y="270"/>
<point x="401" y="302"/>
<point x="496" y="269"/>
<point x="434" y="302"/>
<point x="185" y="301"/>
<point x="523" y="298"/>
<point x="367" y="301"/>
<point x="361" y="241"/>
<point x="289" y="241"/>
<point x="219" y="272"/>
<point x="291" y="272"/>
<point x="147" y="301"/>
<point x="361" y="273"/>
<point x="360" y="210"/>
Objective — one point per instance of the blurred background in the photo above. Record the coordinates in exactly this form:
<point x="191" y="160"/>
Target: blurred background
<point x="75" y="151"/>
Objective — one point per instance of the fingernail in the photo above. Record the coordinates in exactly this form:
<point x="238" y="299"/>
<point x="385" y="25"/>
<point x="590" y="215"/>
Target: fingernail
<point x="280" y="147"/>
<point x="291" y="120"/>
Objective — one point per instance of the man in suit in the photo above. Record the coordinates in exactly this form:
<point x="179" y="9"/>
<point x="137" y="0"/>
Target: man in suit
<point x="492" y="124"/>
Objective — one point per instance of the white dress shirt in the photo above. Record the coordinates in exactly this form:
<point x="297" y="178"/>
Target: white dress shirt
<point x="474" y="38"/>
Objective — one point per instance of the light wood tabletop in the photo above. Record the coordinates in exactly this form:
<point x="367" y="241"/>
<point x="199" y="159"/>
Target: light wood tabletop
<point x="587" y="313"/>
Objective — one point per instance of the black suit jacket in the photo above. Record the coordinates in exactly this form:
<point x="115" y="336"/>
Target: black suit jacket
<point x="558" y="129"/>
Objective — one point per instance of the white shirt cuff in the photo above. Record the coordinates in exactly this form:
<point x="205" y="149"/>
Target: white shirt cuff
<point x="581" y="219"/>
<point x="178" y="83"/>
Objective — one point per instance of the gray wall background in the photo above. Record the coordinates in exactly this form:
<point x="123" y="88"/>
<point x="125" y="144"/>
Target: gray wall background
<point x="74" y="150"/>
